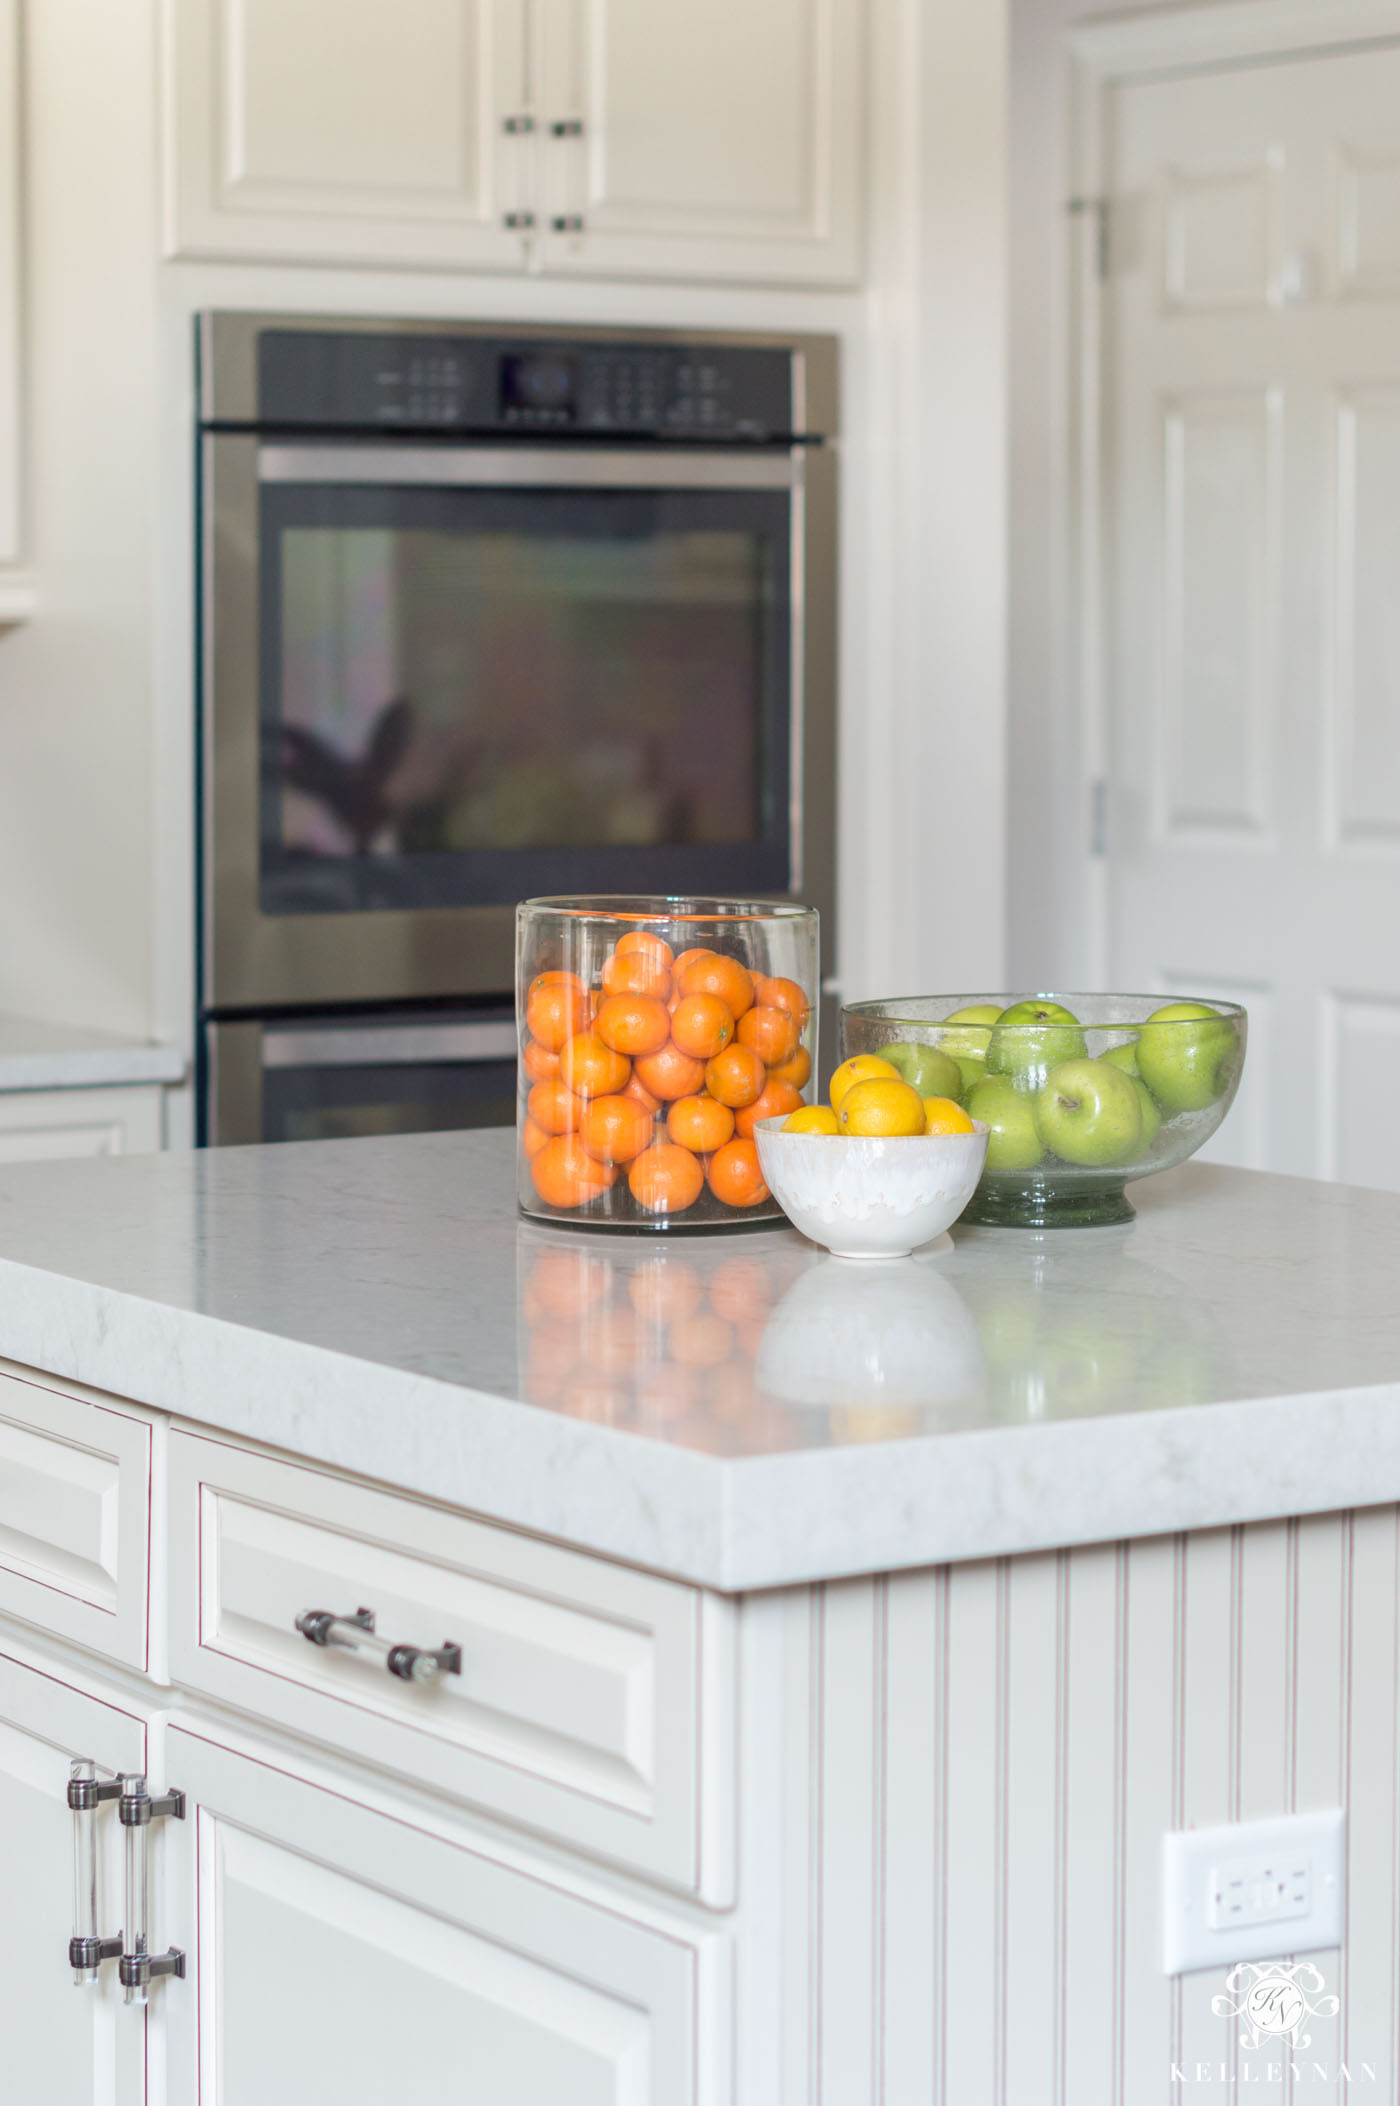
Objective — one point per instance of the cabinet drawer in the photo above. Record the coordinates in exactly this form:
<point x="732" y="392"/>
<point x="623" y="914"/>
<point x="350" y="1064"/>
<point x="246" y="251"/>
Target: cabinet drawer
<point x="593" y="1703"/>
<point x="75" y="1511"/>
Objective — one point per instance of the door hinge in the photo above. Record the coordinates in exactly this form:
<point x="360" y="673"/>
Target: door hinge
<point x="1098" y="816"/>
<point x="1082" y="208"/>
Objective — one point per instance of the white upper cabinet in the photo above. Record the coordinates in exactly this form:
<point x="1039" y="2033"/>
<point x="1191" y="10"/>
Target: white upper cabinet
<point x="648" y="138"/>
<point x="721" y="141"/>
<point x="345" y="131"/>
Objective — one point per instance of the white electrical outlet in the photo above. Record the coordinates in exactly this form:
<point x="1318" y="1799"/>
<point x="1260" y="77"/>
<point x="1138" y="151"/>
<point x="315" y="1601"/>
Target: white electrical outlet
<point x="1252" y="1890"/>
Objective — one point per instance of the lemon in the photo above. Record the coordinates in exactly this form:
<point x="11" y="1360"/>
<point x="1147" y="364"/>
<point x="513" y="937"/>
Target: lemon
<point x="861" y="1067"/>
<point x="812" y="1118"/>
<point x="941" y="1115"/>
<point x="881" y="1108"/>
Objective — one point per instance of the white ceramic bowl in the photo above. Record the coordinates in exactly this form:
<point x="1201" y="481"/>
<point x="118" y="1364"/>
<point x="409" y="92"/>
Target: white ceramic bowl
<point x="870" y="1199"/>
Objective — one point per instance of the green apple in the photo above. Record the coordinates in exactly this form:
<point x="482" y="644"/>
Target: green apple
<point x="972" y="1071"/>
<point x="1033" y="1037"/>
<point x="1014" y="1142"/>
<point x="1124" y="1057"/>
<point x="1186" y="1068"/>
<point x="932" y="1072"/>
<point x="971" y="1039"/>
<point x="1151" y="1113"/>
<point x="1089" y="1113"/>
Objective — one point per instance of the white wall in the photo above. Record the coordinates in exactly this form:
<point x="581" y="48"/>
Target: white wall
<point x="1044" y="803"/>
<point x="96" y="692"/>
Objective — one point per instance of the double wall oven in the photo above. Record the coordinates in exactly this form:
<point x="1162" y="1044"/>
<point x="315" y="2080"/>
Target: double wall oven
<point x="487" y="613"/>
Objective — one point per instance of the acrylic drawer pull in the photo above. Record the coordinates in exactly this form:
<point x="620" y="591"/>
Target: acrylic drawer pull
<point x="410" y="1663"/>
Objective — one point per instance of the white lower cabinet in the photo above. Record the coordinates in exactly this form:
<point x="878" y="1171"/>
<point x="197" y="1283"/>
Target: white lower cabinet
<point x="60" y="2046"/>
<point x="341" y="1953"/>
<point x="42" y="1125"/>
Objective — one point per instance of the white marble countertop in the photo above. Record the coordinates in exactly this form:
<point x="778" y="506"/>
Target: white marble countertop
<point x="738" y="1410"/>
<point x="36" y="1056"/>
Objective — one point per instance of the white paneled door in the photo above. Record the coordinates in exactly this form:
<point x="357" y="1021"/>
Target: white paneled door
<point x="1252" y="574"/>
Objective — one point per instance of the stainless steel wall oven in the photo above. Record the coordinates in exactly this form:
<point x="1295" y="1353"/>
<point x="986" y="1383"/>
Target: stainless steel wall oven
<point x="487" y="613"/>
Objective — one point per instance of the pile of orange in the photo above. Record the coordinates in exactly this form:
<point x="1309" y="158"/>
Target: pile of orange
<point x="659" y="1073"/>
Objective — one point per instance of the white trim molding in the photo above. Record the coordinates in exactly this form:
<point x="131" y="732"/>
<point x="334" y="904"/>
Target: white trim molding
<point x="1116" y="47"/>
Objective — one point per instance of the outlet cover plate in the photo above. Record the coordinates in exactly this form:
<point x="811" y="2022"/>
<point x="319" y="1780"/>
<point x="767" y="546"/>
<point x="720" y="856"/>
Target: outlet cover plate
<point x="1271" y="1887"/>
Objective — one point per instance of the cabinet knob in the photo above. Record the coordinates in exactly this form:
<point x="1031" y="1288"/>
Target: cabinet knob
<point x="407" y="1663"/>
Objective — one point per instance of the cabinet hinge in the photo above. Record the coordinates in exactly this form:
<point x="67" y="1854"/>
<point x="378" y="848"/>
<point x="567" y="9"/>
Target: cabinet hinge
<point x="1098" y="817"/>
<point x="1098" y="207"/>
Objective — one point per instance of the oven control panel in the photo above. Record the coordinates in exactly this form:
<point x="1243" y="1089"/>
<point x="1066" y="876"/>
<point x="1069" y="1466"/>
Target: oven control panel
<point x="342" y="381"/>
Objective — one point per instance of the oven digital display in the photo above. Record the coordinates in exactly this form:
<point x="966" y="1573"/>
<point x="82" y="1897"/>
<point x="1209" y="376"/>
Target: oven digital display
<point x="449" y="699"/>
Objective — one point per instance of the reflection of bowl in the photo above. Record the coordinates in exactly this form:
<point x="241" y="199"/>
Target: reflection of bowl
<point x="1188" y="1075"/>
<point x="895" y="1334"/>
<point x="867" y="1198"/>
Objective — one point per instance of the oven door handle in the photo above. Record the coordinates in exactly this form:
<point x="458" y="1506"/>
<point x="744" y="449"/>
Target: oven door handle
<point x="534" y="467"/>
<point x="387" y="1045"/>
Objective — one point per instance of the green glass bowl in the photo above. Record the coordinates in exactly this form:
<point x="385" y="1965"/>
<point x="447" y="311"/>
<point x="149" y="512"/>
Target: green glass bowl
<point x="1083" y="1093"/>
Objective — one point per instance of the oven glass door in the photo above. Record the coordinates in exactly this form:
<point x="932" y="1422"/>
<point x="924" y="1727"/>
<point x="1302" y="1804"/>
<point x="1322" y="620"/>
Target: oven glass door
<point x="491" y="672"/>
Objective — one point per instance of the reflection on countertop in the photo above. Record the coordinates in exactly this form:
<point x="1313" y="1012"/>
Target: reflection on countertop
<point x="764" y="1343"/>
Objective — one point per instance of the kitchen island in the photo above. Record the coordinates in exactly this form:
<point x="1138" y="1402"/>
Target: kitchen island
<point x="836" y="1641"/>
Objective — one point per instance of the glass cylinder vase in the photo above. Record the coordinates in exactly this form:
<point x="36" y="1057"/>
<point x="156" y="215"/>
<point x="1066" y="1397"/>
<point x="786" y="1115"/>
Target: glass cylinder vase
<point x="653" y="1033"/>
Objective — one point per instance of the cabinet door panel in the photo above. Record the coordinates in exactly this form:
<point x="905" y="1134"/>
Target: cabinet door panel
<point x="58" y="2046"/>
<point x="344" y="130"/>
<point x="75" y="1502"/>
<point x="344" y="1954"/>
<point x="722" y="141"/>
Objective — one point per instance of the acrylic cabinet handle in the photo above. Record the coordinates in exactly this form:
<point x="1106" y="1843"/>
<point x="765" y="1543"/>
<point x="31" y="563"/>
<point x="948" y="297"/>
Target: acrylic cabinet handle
<point x="410" y="1663"/>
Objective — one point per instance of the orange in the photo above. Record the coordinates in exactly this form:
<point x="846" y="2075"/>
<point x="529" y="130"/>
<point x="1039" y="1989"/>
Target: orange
<point x="736" y="1076"/>
<point x="666" y="1179"/>
<point x="538" y="1062"/>
<point x="670" y="1074"/>
<point x="702" y="1340"/>
<point x="614" y="1129"/>
<point x="566" y="1175"/>
<point x="881" y="1109"/>
<point x="685" y="960"/>
<point x="532" y="1138"/>
<point x="554" y="1106"/>
<point x="797" y="1071"/>
<point x="861" y="1067"/>
<point x="701" y="1124"/>
<point x="634" y="1023"/>
<point x="776" y="1100"/>
<point x="555" y="1008"/>
<point x="639" y="1094"/>
<point x="942" y="1115"/>
<point x="635" y="972"/>
<point x="813" y="1118"/>
<point x="735" y="1176"/>
<point x="772" y="1033"/>
<point x="591" y="1067"/>
<point x="654" y="947"/>
<point x="714" y="975"/>
<point x="782" y="994"/>
<point x="701" y="1025"/>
